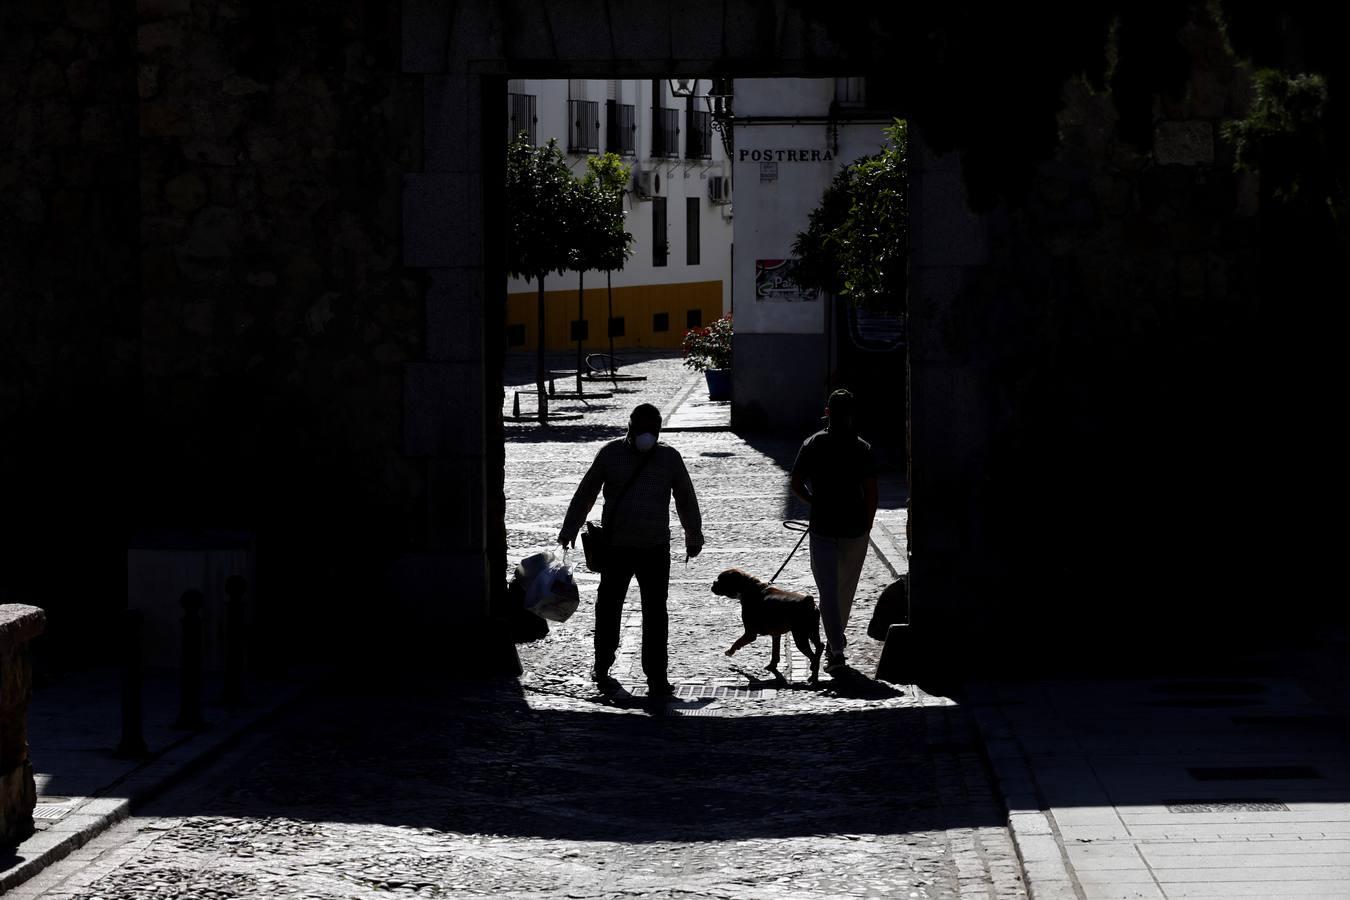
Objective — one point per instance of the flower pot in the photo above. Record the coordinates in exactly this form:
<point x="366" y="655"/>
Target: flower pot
<point x="719" y="383"/>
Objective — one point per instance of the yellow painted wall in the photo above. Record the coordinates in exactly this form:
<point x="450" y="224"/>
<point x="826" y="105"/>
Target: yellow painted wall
<point x="637" y="305"/>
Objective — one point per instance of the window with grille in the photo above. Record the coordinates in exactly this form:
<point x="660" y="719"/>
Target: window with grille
<point x="620" y="128"/>
<point x="616" y="326"/>
<point x="660" y="321"/>
<point x="583" y="129"/>
<point x="660" y="241"/>
<point x="850" y="91"/>
<point x="522" y="117"/>
<point x="581" y="330"/>
<point x="691" y="249"/>
<point x="698" y="143"/>
<point x="693" y="318"/>
<point x="665" y="132"/>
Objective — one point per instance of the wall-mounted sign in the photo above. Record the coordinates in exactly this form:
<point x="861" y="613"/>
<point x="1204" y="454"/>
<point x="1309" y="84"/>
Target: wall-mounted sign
<point x="772" y="283"/>
<point x="768" y="172"/>
<point x="796" y="154"/>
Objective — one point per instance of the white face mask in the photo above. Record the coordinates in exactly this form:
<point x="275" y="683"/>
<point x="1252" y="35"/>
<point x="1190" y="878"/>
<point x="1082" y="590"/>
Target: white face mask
<point x="645" y="441"/>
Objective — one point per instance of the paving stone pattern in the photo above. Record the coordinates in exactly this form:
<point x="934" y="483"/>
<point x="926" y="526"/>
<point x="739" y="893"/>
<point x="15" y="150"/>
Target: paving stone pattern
<point x="547" y="788"/>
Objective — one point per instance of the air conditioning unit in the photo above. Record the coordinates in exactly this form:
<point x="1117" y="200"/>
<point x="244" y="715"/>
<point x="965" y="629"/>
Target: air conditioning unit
<point x="647" y="183"/>
<point x="719" y="189"/>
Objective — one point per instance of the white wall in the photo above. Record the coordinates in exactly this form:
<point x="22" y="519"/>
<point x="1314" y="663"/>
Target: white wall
<point x="680" y="179"/>
<point x="781" y="170"/>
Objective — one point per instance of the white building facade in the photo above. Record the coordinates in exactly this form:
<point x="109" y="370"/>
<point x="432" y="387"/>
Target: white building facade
<point x="678" y="209"/>
<point x="791" y="137"/>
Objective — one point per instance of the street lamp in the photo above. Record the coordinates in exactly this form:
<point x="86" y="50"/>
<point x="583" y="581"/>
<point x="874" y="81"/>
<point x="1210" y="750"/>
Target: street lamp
<point x="719" y="105"/>
<point x="718" y="100"/>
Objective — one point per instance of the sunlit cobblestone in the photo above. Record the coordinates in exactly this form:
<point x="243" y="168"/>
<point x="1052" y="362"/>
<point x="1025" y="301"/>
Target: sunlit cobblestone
<point x="848" y="788"/>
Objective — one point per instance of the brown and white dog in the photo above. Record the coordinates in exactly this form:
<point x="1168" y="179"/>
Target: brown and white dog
<point x="766" y="609"/>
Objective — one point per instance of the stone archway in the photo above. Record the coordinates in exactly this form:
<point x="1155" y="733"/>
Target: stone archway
<point x="462" y="54"/>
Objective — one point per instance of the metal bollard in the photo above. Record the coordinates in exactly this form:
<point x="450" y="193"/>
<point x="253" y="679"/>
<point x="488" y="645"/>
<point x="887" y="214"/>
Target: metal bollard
<point x="515" y="407"/>
<point x="190" y="665"/>
<point x="579" y="381"/>
<point x="552" y="388"/>
<point x="132" y="745"/>
<point x="235" y="639"/>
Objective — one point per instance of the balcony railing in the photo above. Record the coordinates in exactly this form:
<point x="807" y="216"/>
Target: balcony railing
<point x="583" y="129"/>
<point x="522" y="117"/>
<point x="665" y="132"/>
<point x="620" y="128"/>
<point x="698" y="142"/>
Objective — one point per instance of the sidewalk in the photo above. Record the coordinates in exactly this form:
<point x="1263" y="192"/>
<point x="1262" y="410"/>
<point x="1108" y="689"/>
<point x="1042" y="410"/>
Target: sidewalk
<point x="1225" y="786"/>
<point x="74" y="725"/>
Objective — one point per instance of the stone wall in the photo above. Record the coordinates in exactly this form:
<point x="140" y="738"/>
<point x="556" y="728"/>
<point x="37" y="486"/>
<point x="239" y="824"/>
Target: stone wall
<point x="200" y="236"/>
<point x="19" y="625"/>
<point x="1092" y="384"/>
<point x="69" y="305"/>
<point x="276" y="317"/>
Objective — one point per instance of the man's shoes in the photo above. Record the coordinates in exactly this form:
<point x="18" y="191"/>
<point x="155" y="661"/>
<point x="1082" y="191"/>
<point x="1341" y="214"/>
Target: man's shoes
<point x="606" y="682"/>
<point x="661" y="689"/>
<point x="835" y="663"/>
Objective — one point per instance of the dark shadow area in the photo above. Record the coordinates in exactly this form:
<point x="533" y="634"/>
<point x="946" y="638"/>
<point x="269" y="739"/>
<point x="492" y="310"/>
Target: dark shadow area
<point x="562" y="432"/>
<point x="482" y="761"/>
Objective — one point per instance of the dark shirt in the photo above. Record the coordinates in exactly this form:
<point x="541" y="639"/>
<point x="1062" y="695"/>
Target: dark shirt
<point x="835" y="467"/>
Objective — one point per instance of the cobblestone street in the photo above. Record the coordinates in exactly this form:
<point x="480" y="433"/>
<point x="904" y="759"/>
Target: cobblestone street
<point x="741" y="787"/>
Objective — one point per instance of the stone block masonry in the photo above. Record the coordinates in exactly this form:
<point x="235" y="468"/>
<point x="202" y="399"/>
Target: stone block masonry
<point x="18" y="794"/>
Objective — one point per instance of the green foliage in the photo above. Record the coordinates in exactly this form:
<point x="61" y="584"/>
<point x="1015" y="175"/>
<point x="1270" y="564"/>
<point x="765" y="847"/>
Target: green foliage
<point x="541" y="209"/>
<point x="709" y="347"/>
<point x="558" y="223"/>
<point x="604" y="244"/>
<point x="857" y="240"/>
<point x="1284" y="138"/>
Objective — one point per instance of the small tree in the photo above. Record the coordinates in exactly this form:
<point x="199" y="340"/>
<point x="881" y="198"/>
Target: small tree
<point x="608" y="177"/>
<point x="856" y="243"/>
<point x="541" y="207"/>
<point x="599" y="240"/>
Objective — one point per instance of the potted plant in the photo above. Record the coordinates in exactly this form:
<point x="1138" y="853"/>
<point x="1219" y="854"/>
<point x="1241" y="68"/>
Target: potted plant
<point x="708" y="350"/>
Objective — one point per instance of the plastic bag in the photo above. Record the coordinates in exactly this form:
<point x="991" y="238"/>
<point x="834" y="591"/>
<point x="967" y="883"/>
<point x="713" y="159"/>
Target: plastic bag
<point x="552" y="594"/>
<point x="524" y="625"/>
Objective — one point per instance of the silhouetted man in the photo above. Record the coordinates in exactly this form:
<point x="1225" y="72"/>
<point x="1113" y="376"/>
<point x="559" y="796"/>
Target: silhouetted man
<point x="642" y="474"/>
<point x="836" y="474"/>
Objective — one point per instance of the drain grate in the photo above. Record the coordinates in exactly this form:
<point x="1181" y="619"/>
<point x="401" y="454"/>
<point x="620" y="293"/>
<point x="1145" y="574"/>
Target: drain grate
<point x="1229" y="688"/>
<point x="1329" y="724"/>
<point x="1253" y="773"/>
<point x="1226" y="806"/>
<point x="50" y="810"/>
<point x="1201" y="702"/>
<point x="719" y="691"/>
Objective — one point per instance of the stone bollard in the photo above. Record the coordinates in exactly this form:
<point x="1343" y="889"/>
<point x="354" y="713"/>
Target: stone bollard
<point x="18" y="792"/>
<point x="236" y="640"/>
<point x="190" y="664"/>
<point x="132" y="745"/>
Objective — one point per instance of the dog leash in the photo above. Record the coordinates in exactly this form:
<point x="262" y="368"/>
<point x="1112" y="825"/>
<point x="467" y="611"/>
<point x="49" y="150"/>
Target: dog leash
<point x="792" y="525"/>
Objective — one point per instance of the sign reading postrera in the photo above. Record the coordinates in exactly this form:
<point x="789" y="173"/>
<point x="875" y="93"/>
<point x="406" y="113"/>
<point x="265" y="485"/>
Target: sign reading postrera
<point x="800" y="154"/>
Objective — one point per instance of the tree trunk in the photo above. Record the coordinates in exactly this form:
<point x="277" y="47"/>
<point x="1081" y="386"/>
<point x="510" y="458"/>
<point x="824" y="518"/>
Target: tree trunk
<point x="581" y="319"/>
<point x="539" y="367"/>
<point x="609" y="324"/>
